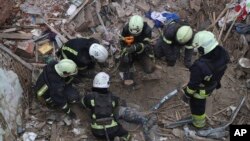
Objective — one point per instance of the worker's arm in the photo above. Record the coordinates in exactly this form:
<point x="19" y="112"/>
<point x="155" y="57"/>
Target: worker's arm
<point x="86" y="101"/>
<point x="194" y="81"/>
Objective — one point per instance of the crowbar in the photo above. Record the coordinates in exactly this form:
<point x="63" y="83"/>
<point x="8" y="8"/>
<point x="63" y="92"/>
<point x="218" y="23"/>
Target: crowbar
<point x="166" y="98"/>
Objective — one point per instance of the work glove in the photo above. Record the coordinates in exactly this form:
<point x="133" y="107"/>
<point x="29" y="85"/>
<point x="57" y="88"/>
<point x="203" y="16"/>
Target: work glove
<point x="218" y="85"/>
<point x="72" y="115"/>
<point x="128" y="50"/>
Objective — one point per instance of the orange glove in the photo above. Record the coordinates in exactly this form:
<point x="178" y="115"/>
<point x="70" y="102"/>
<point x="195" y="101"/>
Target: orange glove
<point x="129" y="40"/>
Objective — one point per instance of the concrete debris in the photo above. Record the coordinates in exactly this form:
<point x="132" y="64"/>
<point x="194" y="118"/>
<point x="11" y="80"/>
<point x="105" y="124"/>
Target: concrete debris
<point x="29" y="136"/>
<point x="195" y="4"/>
<point x="143" y="6"/>
<point x="67" y="120"/>
<point x="71" y="10"/>
<point x="78" y="131"/>
<point x="118" y="9"/>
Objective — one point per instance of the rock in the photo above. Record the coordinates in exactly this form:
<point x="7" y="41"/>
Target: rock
<point x="142" y="6"/>
<point x="118" y="9"/>
<point x="67" y="121"/>
<point x="178" y="133"/>
<point x="129" y="10"/>
<point x="29" y="136"/>
<point x="78" y="131"/>
<point x="194" y="4"/>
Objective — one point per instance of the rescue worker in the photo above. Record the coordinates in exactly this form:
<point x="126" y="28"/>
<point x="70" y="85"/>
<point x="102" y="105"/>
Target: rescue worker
<point x="174" y="36"/>
<point x="106" y="110"/>
<point x="53" y="85"/>
<point x="85" y="52"/>
<point x="205" y="74"/>
<point x="135" y="46"/>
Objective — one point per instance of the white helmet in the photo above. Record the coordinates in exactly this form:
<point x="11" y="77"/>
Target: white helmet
<point x="101" y="80"/>
<point x="66" y="67"/>
<point x="205" y="41"/>
<point x="99" y="52"/>
<point x="184" y="34"/>
<point x="135" y="24"/>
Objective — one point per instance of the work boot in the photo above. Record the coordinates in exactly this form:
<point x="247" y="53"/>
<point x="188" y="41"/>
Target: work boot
<point x="151" y="121"/>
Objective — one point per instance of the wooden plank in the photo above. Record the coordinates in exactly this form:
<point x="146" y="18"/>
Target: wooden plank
<point x="15" y="36"/>
<point x="53" y="132"/>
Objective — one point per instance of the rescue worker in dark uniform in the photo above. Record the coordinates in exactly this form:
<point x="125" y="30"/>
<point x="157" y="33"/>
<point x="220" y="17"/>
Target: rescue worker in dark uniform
<point x="53" y="85"/>
<point x="135" y="45"/>
<point x="174" y="36"/>
<point x="205" y="74"/>
<point x="106" y="110"/>
<point x="85" y="52"/>
<point x="102" y="104"/>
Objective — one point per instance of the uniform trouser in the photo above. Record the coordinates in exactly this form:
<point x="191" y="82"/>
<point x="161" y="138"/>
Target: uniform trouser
<point x="198" y="107"/>
<point x="127" y="61"/>
<point x="172" y="53"/>
<point x="130" y="115"/>
<point x="112" y="133"/>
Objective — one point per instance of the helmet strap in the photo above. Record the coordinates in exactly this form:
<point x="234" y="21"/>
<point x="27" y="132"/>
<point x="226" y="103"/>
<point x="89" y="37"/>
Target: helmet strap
<point x="201" y="50"/>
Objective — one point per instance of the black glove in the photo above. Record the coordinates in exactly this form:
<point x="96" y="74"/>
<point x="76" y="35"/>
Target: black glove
<point x="131" y="49"/>
<point x="72" y="115"/>
<point x="185" y="96"/>
<point x="218" y="85"/>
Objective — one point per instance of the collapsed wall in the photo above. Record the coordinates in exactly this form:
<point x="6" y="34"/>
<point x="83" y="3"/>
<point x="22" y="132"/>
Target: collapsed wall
<point x="10" y="103"/>
<point x="15" y="92"/>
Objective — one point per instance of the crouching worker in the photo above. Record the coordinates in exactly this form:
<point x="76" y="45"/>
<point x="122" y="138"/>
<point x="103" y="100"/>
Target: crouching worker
<point x="53" y="85"/>
<point x="105" y="111"/>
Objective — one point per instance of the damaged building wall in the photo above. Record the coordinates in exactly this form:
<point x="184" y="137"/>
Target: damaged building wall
<point x="10" y="104"/>
<point x="5" y="7"/>
<point x="13" y="88"/>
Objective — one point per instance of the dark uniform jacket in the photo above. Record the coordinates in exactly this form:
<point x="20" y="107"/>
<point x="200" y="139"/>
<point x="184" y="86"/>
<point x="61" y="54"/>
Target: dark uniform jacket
<point x="144" y="37"/>
<point x="207" y="71"/>
<point x="55" y="85"/>
<point x="170" y="31"/>
<point x="102" y="106"/>
<point x="78" y="51"/>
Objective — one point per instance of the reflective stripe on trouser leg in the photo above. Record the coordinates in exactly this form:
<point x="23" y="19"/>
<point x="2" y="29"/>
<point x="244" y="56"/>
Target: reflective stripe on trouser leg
<point x="198" y="107"/>
<point x="199" y="121"/>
